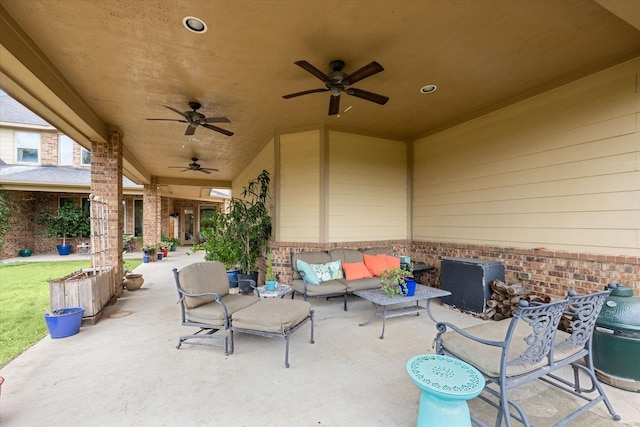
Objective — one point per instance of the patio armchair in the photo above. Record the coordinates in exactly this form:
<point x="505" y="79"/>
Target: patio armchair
<point x="513" y="352"/>
<point x="205" y="303"/>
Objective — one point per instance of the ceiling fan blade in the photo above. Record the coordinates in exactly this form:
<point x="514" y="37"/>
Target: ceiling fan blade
<point x="209" y="169"/>
<point x="203" y="171"/>
<point x="171" y="120"/>
<point x="217" y="129"/>
<point x="306" y="92"/>
<point x="179" y="112"/>
<point x="364" y="72"/>
<point x="175" y="167"/>
<point x="190" y="130"/>
<point x="334" y="105"/>
<point x="217" y="120"/>
<point x="369" y="96"/>
<point x="313" y="70"/>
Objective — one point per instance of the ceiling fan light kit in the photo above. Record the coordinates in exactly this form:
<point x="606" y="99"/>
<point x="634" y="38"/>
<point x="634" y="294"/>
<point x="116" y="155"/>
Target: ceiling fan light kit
<point x="194" y="166"/>
<point x="195" y="119"/>
<point x="337" y="81"/>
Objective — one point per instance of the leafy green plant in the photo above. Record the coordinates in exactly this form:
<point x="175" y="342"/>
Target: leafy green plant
<point x="392" y="279"/>
<point x="250" y="223"/>
<point x="218" y="242"/>
<point x="70" y="220"/>
<point x="270" y="274"/>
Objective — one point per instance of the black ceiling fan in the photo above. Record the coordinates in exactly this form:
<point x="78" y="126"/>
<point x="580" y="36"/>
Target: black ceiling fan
<point x="338" y="81"/>
<point x="194" y="166"/>
<point x="195" y="119"/>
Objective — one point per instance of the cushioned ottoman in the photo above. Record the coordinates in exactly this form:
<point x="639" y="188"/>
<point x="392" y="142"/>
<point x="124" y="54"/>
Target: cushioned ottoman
<point x="273" y="318"/>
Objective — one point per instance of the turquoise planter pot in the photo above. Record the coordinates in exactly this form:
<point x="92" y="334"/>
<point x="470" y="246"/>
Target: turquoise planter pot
<point x="25" y="252"/>
<point x="270" y="285"/>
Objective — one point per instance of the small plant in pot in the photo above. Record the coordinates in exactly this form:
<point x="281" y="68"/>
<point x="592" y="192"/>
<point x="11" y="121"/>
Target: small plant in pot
<point x="270" y="279"/>
<point x="394" y="282"/>
<point x="69" y="220"/>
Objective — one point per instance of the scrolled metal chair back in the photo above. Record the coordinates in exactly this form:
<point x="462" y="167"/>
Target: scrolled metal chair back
<point x="583" y="312"/>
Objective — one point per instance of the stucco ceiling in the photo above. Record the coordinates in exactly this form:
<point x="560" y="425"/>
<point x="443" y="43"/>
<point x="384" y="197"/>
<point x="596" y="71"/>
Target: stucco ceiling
<point x="117" y="62"/>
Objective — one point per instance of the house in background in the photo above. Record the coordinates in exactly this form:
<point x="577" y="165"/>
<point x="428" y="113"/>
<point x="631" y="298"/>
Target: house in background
<point x="42" y="169"/>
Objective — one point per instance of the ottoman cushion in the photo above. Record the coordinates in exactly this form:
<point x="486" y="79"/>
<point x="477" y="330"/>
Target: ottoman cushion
<point x="271" y="315"/>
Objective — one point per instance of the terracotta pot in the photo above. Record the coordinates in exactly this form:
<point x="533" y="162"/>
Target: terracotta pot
<point x="133" y="281"/>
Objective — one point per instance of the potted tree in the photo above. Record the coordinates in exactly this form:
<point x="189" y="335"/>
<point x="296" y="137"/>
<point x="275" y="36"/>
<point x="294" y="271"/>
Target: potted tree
<point x="250" y="226"/>
<point x="69" y="220"/>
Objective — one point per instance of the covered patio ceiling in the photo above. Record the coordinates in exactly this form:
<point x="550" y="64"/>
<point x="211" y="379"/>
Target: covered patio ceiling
<point x="85" y="65"/>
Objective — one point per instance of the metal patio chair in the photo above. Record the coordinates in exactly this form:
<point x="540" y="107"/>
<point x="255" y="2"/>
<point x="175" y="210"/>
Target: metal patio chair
<point x="205" y="303"/>
<point x="527" y="347"/>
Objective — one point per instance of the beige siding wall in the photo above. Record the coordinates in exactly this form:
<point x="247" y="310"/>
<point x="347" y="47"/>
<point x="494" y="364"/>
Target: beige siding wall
<point x="299" y="187"/>
<point x="367" y="188"/>
<point x="559" y="171"/>
<point x="7" y="145"/>
<point x="264" y="160"/>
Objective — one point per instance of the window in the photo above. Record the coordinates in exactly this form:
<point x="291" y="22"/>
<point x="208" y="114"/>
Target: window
<point x="137" y="217"/>
<point x="28" y="147"/>
<point x="124" y="216"/>
<point x="64" y="200"/>
<point x="85" y="157"/>
<point x="65" y="150"/>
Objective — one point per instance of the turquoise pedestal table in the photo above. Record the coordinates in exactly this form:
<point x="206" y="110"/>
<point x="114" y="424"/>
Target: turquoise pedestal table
<point x="446" y="385"/>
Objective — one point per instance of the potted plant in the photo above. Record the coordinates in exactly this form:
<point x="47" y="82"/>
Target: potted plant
<point x="249" y="225"/>
<point x="69" y="220"/>
<point x="163" y="246"/>
<point x="63" y="322"/>
<point x="149" y="253"/>
<point x="270" y="279"/>
<point x="218" y="244"/>
<point x="174" y="243"/>
<point x="397" y="281"/>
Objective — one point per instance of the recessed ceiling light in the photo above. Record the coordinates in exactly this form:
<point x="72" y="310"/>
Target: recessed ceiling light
<point x="428" y="88"/>
<point x="194" y="24"/>
<point x="194" y="139"/>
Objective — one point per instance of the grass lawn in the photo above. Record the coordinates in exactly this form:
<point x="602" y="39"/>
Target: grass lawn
<point x="24" y="295"/>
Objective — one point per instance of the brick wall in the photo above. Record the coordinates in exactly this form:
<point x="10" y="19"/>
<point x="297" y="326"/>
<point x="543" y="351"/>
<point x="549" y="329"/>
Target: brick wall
<point x="552" y="273"/>
<point x="48" y="148"/>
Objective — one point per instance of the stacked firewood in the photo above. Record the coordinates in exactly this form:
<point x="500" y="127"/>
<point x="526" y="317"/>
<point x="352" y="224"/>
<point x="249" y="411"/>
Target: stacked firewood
<point x="505" y="299"/>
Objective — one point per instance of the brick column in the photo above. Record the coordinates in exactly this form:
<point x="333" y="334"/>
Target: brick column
<point x="106" y="182"/>
<point x="152" y="213"/>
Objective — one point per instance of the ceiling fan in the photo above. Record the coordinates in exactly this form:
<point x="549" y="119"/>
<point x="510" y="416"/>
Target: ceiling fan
<point x="196" y="119"/>
<point x="338" y="81"/>
<point x="194" y="166"/>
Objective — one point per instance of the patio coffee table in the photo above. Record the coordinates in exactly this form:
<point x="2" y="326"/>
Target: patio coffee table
<point x="379" y="299"/>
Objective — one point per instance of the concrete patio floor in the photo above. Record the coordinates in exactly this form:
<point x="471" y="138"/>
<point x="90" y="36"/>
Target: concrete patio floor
<point x="126" y="371"/>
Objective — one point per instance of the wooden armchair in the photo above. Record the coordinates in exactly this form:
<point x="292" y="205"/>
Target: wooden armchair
<point x="513" y="352"/>
<point x="205" y="302"/>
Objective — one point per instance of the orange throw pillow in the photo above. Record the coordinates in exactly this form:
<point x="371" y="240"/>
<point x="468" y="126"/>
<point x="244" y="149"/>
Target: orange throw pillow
<point x="393" y="262"/>
<point x="375" y="263"/>
<point x="356" y="270"/>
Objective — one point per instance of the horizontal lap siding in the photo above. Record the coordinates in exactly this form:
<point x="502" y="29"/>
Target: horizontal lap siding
<point x="367" y="194"/>
<point x="561" y="171"/>
<point x="299" y="207"/>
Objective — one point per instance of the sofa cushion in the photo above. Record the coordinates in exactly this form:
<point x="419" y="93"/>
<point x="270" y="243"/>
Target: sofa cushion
<point x="331" y="287"/>
<point x="360" y="284"/>
<point x="356" y="270"/>
<point x="346" y="255"/>
<point x="328" y="271"/>
<point x="393" y="261"/>
<point x="310" y="257"/>
<point x="213" y="313"/>
<point x="386" y="250"/>
<point x="272" y="315"/>
<point x="306" y="270"/>
<point x="203" y="277"/>
<point x="375" y="263"/>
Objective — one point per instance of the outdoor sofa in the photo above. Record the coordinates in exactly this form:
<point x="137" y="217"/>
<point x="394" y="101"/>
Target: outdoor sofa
<point x="343" y="271"/>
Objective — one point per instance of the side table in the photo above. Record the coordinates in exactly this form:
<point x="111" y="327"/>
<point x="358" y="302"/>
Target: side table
<point x="281" y="291"/>
<point x="446" y="383"/>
